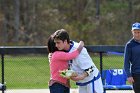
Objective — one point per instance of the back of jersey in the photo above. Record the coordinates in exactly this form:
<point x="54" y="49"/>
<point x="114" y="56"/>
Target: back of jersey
<point x="115" y="77"/>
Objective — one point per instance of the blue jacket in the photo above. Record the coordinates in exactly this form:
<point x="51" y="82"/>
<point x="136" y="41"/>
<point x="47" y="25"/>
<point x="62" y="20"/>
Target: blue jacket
<point x="132" y="57"/>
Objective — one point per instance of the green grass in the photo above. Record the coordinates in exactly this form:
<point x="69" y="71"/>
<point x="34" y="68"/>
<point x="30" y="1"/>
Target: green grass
<point x="27" y="71"/>
<point x="32" y="71"/>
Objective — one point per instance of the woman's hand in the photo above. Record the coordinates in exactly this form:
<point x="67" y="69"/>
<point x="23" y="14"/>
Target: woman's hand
<point x="80" y="47"/>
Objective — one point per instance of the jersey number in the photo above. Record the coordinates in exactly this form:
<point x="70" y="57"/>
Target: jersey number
<point x="117" y="72"/>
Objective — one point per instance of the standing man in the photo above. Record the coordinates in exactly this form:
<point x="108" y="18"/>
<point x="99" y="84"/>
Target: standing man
<point x="88" y="78"/>
<point x="132" y="58"/>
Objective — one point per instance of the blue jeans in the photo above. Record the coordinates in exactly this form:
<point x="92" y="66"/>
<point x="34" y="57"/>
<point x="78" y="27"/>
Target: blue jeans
<point x="59" y="88"/>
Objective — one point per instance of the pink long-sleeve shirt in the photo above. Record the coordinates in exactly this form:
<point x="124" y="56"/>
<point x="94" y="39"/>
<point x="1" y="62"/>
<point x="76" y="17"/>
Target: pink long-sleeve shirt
<point x="59" y="61"/>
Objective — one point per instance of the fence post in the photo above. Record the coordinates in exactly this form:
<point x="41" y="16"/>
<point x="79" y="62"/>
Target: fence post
<point x="101" y="66"/>
<point x="2" y="62"/>
<point x="101" y="63"/>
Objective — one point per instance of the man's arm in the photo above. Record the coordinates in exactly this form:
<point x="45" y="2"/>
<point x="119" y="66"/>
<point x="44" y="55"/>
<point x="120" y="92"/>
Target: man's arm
<point x="79" y="77"/>
<point x="127" y="55"/>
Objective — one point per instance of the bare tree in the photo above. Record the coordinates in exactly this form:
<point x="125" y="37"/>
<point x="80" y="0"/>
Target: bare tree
<point x="5" y="21"/>
<point x="17" y="16"/>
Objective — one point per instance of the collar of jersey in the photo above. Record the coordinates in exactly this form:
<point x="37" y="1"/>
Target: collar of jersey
<point x="71" y="45"/>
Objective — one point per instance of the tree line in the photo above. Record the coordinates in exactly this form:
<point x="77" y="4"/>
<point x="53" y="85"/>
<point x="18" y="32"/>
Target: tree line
<point x="97" y="22"/>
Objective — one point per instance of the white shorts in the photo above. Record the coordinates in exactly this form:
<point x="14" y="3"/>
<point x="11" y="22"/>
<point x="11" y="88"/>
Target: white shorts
<point x="98" y="87"/>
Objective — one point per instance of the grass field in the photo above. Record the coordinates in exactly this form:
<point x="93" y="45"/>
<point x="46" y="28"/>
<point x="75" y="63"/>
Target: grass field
<point x="47" y="91"/>
<point x="32" y="71"/>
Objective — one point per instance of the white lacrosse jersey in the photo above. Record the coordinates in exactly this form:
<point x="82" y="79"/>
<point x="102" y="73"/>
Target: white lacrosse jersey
<point x="82" y="62"/>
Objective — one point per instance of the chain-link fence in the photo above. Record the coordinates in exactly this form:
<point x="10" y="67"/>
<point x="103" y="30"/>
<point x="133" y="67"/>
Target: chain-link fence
<point x="28" y="67"/>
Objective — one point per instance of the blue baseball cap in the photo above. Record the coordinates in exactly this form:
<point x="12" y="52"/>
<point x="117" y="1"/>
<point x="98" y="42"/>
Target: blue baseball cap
<point x="136" y="26"/>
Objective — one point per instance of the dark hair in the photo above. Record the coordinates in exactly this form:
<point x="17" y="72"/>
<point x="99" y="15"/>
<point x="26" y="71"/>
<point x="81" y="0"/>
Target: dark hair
<point x="51" y="45"/>
<point x="61" y="34"/>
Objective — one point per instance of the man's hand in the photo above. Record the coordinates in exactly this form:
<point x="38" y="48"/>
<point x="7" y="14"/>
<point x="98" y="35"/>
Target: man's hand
<point x="79" y="77"/>
<point x="130" y="80"/>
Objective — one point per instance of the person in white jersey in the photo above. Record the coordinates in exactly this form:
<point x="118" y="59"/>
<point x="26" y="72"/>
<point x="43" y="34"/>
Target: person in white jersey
<point x="88" y="78"/>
